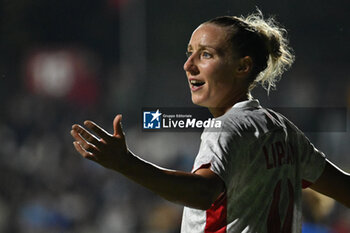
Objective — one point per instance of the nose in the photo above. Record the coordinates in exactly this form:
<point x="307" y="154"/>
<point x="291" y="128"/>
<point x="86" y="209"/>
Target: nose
<point x="190" y="66"/>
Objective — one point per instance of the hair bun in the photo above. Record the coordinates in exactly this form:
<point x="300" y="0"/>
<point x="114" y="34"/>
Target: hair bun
<point x="273" y="46"/>
<point x="276" y="44"/>
<point x="262" y="39"/>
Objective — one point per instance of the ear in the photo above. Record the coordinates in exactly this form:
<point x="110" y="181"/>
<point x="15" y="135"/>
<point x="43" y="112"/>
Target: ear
<point x="245" y="66"/>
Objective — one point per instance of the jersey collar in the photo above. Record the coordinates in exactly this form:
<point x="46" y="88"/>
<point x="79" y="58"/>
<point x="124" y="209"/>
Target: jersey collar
<point x="253" y="103"/>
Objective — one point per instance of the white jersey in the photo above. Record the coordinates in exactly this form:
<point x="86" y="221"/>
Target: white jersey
<point x="264" y="160"/>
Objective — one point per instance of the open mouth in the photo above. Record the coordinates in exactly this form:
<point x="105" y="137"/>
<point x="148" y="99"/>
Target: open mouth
<point x="196" y="83"/>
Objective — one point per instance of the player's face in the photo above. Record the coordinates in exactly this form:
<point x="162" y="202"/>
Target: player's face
<point x="210" y="68"/>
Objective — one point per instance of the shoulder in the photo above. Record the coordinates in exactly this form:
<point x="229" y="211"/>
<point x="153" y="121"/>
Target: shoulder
<point x="282" y="120"/>
<point x="234" y="125"/>
<point x="242" y="119"/>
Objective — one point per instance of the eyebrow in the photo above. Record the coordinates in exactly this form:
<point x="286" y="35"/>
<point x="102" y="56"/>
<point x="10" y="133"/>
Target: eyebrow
<point x="203" y="46"/>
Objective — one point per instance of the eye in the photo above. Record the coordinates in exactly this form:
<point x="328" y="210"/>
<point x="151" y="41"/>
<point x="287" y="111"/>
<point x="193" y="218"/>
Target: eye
<point x="188" y="54"/>
<point x="206" y="54"/>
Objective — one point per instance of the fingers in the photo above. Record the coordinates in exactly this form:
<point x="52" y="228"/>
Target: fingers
<point x="117" y="126"/>
<point x="85" y="134"/>
<point x="98" y="130"/>
<point x="83" y="152"/>
<point x="83" y="143"/>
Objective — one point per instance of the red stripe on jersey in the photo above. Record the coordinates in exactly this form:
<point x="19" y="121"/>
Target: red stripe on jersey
<point x="216" y="216"/>
<point x="305" y="184"/>
<point x="206" y="165"/>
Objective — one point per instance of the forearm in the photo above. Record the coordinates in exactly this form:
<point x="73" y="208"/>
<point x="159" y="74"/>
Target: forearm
<point x="180" y="187"/>
<point x="194" y="190"/>
<point x="334" y="183"/>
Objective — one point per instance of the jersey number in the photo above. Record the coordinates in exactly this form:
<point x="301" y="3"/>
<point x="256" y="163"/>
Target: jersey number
<point x="274" y="221"/>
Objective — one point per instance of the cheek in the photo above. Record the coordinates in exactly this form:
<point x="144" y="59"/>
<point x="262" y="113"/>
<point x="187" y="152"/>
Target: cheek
<point x="221" y="80"/>
<point x="221" y="87"/>
<point x="219" y="71"/>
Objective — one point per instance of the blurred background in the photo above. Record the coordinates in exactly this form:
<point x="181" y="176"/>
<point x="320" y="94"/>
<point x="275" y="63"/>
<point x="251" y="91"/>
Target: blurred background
<point x="62" y="62"/>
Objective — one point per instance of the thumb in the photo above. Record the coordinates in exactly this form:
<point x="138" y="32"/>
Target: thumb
<point x="117" y="126"/>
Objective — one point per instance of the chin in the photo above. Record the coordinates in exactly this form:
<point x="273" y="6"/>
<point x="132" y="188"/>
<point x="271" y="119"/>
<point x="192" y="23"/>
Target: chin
<point x="199" y="102"/>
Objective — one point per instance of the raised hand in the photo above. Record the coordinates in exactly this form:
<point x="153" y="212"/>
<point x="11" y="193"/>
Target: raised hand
<point x="111" y="152"/>
<point x="108" y="150"/>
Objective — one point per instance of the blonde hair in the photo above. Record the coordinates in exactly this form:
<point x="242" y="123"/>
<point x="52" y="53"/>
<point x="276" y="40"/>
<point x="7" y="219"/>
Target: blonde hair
<point x="264" y="41"/>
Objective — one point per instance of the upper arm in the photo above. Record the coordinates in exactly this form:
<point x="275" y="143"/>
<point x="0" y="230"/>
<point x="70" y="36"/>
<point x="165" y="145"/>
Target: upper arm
<point x="334" y="183"/>
<point x="215" y="184"/>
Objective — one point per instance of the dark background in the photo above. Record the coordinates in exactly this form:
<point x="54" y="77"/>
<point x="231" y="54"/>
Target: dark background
<point x="62" y="62"/>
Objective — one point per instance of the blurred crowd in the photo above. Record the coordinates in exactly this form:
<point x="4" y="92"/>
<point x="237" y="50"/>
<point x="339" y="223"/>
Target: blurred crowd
<point x="47" y="187"/>
<point x="53" y="75"/>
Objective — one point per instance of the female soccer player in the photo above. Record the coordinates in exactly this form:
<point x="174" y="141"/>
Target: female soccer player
<point x="248" y="176"/>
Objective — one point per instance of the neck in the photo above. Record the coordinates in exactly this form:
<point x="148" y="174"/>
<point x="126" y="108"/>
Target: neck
<point x="216" y="112"/>
<point x="219" y="111"/>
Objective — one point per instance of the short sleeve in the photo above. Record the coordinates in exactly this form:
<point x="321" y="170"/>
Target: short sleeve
<point x="215" y="151"/>
<point x="313" y="161"/>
